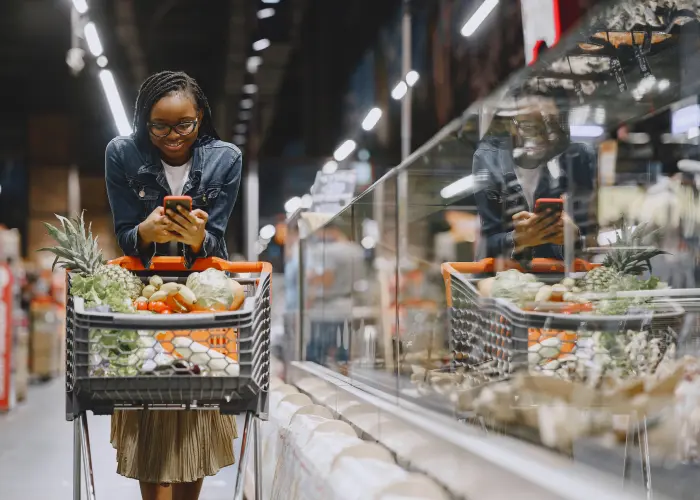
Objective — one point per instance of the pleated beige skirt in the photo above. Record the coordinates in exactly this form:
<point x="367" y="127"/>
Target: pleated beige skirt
<point x="172" y="446"/>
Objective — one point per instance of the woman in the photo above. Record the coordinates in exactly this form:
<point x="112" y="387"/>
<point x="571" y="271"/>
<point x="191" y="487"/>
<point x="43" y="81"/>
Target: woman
<point x="520" y="160"/>
<point x="174" y="150"/>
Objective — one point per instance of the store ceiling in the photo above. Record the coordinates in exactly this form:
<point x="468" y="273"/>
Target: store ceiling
<point x="210" y="40"/>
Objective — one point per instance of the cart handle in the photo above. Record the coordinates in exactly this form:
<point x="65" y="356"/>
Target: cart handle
<point x="178" y="264"/>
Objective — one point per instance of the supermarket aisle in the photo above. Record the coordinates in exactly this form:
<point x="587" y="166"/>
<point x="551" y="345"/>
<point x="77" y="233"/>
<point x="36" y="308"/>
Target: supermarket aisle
<point x="36" y="446"/>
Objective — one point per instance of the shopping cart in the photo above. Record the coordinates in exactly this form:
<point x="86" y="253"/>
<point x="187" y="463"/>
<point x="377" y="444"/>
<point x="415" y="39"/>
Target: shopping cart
<point x="497" y="333"/>
<point x="231" y="374"/>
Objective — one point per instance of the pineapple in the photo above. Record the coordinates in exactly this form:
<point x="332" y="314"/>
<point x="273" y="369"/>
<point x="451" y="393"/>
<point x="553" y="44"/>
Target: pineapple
<point x="631" y="256"/>
<point x="78" y="251"/>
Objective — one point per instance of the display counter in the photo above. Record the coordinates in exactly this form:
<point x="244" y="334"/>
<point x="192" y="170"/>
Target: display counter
<point x="585" y="362"/>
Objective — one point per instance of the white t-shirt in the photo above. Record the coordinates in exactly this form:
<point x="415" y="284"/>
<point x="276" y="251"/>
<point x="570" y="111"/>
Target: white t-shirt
<point x="529" y="179"/>
<point x="177" y="176"/>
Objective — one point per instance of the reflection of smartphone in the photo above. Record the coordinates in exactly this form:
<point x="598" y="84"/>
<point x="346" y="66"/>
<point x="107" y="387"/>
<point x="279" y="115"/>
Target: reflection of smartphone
<point x="554" y="205"/>
<point x="172" y="202"/>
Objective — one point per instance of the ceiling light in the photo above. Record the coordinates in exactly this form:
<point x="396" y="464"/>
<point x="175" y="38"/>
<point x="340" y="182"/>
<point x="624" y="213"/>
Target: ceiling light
<point x="458" y="187"/>
<point x="664" y="84"/>
<point x="687" y="165"/>
<point x="345" y="150"/>
<point x="102" y="61"/>
<point x="253" y="63"/>
<point x="245" y="115"/>
<point x="250" y="88"/>
<point x="265" y="13"/>
<point x="371" y="119"/>
<point x="270" y="1"/>
<point x="292" y="205"/>
<point x="329" y="167"/>
<point x="368" y="243"/>
<point x="240" y="128"/>
<point x="400" y="90"/>
<point x="412" y="77"/>
<point x="81" y="6"/>
<point x="306" y="201"/>
<point x="115" y="102"/>
<point x="261" y="44"/>
<point x="586" y="130"/>
<point x="239" y="140"/>
<point x="267" y="232"/>
<point x="478" y="17"/>
<point x="247" y="103"/>
<point x="637" y="138"/>
<point x="93" y="39"/>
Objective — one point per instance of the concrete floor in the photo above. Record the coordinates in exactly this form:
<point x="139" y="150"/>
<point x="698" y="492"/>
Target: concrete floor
<point x="36" y="454"/>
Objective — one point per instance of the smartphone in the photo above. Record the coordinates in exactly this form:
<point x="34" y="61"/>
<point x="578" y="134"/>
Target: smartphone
<point x="554" y="205"/>
<point x="172" y="202"/>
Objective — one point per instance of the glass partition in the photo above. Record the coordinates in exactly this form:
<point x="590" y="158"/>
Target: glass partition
<point x="532" y="270"/>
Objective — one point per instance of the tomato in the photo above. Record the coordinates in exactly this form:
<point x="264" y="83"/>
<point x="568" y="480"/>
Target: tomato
<point x="158" y="306"/>
<point x="166" y="311"/>
<point x="141" y="306"/>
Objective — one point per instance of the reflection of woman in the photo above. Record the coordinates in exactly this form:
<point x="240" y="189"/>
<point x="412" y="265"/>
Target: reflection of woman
<point x="519" y="161"/>
<point x="174" y="150"/>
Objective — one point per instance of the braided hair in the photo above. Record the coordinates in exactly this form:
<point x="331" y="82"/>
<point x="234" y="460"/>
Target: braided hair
<point x="158" y="86"/>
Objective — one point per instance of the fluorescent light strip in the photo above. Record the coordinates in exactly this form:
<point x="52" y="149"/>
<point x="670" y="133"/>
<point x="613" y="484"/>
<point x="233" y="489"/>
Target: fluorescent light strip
<point x="81" y="6"/>
<point x="371" y="119"/>
<point x="330" y="167"/>
<point x="399" y="91"/>
<point x="261" y="44"/>
<point x="265" y="13"/>
<point x="115" y="102"/>
<point x="253" y="63"/>
<point x="458" y="187"/>
<point x="586" y="130"/>
<point x="478" y="17"/>
<point x="93" y="39"/>
<point x="344" y="150"/>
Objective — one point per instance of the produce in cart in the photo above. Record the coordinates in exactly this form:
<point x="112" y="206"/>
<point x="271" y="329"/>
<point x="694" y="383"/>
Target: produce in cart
<point x="630" y="257"/>
<point x="107" y="287"/>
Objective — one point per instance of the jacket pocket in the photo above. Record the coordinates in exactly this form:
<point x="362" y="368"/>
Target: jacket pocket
<point x="206" y="198"/>
<point x="148" y="195"/>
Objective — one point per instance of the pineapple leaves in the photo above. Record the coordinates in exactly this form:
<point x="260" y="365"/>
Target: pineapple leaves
<point x="76" y="248"/>
<point x="633" y="248"/>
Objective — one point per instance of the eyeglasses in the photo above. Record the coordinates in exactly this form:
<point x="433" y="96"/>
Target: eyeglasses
<point x="163" y="129"/>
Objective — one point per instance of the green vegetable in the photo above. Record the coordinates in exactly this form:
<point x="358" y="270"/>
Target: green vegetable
<point x="98" y="291"/>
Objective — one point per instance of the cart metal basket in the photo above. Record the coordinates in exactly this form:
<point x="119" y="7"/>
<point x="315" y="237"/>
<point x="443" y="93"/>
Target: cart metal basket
<point x="484" y="329"/>
<point x="213" y="360"/>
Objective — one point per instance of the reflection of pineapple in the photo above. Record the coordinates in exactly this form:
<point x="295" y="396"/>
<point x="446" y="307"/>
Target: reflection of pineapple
<point x="631" y="256"/>
<point x="77" y="250"/>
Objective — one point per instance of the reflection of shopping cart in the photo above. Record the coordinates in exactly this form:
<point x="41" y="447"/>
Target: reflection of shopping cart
<point x="115" y="361"/>
<point x="486" y="329"/>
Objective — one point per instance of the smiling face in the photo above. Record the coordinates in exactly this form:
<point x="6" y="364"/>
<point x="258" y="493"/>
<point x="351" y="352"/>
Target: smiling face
<point x="173" y="126"/>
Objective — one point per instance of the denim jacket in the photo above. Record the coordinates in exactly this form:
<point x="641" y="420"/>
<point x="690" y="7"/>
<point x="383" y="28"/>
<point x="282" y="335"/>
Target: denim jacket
<point x="499" y="195"/>
<point x="136" y="185"/>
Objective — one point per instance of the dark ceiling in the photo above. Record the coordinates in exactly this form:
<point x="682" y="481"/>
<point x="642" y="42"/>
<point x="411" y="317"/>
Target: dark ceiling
<point x="315" y="44"/>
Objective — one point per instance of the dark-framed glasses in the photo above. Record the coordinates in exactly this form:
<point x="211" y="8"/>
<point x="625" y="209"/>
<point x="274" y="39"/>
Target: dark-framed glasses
<point x="163" y="129"/>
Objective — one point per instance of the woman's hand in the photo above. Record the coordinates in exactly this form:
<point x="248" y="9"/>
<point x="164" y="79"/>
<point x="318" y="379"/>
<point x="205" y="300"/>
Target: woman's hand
<point x="533" y="230"/>
<point x="155" y="229"/>
<point x="188" y="227"/>
<point x="559" y="229"/>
